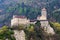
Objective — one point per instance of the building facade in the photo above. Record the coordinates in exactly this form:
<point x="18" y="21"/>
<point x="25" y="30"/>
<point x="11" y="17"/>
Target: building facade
<point x="18" y="20"/>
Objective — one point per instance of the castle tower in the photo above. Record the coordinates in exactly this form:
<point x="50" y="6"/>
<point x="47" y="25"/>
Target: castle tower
<point x="44" y="22"/>
<point x="43" y="15"/>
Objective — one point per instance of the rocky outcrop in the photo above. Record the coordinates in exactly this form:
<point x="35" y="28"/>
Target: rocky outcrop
<point x="46" y="26"/>
<point x="19" y="35"/>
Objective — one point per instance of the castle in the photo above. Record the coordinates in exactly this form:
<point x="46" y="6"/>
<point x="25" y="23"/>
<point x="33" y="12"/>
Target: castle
<point x="23" y="19"/>
<point x="18" y="20"/>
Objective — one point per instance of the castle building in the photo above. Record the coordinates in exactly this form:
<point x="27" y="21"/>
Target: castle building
<point x="18" y="20"/>
<point x="33" y="21"/>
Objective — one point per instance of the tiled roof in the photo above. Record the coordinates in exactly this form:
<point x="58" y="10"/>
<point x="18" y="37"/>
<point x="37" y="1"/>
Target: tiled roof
<point x="33" y="20"/>
<point x="16" y="16"/>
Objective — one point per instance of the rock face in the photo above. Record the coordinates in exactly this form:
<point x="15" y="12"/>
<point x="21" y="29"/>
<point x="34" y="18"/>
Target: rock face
<point x="19" y="35"/>
<point x="47" y="28"/>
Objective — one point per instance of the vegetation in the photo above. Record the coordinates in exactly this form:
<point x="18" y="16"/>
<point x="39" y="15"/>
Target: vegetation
<point x="29" y="31"/>
<point x="6" y="33"/>
<point x="56" y="27"/>
<point x="56" y="15"/>
<point x="21" y="27"/>
<point x="32" y="33"/>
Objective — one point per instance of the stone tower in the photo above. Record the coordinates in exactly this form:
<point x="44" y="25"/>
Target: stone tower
<point x="44" y="22"/>
<point x="43" y="15"/>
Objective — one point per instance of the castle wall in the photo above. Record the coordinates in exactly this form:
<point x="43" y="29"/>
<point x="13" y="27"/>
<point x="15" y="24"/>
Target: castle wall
<point x="18" y="21"/>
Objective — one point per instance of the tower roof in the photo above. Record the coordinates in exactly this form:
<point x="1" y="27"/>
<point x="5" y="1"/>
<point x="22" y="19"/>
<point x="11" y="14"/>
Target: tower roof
<point x="44" y="9"/>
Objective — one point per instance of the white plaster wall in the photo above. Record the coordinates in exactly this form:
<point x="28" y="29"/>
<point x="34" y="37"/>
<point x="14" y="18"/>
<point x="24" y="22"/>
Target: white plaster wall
<point x="17" y="21"/>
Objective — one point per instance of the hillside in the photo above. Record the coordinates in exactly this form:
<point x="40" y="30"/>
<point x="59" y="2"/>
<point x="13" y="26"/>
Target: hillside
<point x="28" y="8"/>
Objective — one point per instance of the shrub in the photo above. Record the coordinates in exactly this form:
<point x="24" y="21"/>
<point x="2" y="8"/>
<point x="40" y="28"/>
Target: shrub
<point x="56" y="27"/>
<point x="5" y="32"/>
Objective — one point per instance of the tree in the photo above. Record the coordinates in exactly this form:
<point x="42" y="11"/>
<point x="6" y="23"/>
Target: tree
<point x="5" y="33"/>
<point x="30" y="28"/>
<point x="21" y="27"/>
<point x="38" y="23"/>
<point x="37" y="26"/>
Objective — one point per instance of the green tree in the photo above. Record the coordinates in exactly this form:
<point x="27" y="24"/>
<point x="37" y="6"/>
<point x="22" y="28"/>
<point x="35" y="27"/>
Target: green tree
<point x="5" y="33"/>
<point x="21" y="27"/>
